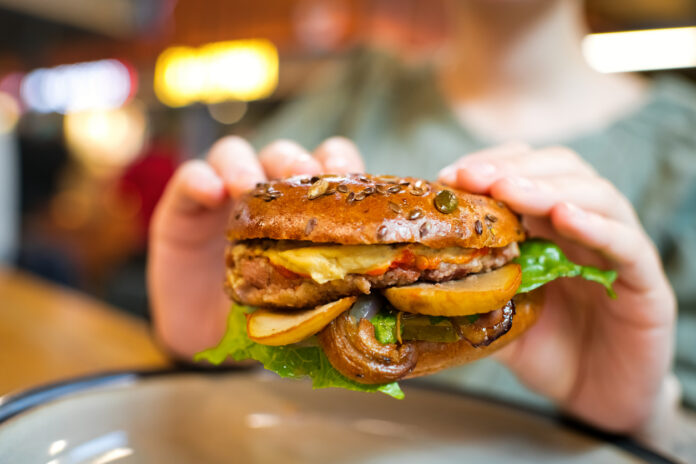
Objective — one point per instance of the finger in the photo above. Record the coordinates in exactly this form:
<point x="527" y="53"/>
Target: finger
<point x="478" y="176"/>
<point x="338" y="155"/>
<point x="195" y="185"/>
<point x="529" y="356"/>
<point x="235" y="162"/>
<point x="637" y="260"/>
<point x="285" y="158"/>
<point x="537" y="196"/>
<point x="448" y="174"/>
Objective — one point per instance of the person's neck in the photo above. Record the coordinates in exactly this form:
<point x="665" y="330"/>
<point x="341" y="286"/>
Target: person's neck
<point x="515" y="47"/>
<point x="512" y="65"/>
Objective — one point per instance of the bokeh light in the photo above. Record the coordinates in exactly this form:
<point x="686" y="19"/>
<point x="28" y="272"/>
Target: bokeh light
<point x="71" y="209"/>
<point x="77" y="87"/>
<point x="9" y="112"/>
<point x="106" y="139"/>
<point x="227" y="112"/>
<point x="241" y="70"/>
<point x="178" y="79"/>
<point x="641" y="50"/>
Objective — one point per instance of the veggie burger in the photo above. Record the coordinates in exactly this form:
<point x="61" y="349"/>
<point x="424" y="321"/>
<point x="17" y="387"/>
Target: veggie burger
<point x="359" y="281"/>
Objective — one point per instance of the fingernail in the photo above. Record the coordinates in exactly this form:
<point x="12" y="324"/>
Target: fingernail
<point x="520" y="182"/>
<point x="448" y="175"/>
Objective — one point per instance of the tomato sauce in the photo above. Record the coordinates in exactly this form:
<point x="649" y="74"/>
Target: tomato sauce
<point x="408" y="260"/>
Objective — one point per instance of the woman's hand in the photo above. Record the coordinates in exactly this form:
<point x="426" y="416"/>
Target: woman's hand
<point x="186" y="265"/>
<point x="600" y="359"/>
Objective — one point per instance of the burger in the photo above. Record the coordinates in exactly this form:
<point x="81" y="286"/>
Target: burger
<point x="360" y="281"/>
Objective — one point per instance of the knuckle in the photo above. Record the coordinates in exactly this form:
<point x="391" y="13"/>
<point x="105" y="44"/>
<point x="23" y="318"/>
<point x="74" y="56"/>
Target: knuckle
<point x="281" y="145"/>
<point x="518" y="145"/>
<point x="233" y="140"/>
<point x="230" y="150"/>
<point x="610" y="192"/>
<point x="227" y="144"/>
<point x="329" y="146"/>
<point x="564" y="153"/>
<point x="476" y="158"/>
<point x="337" y="146"/>
<point x="190" y="168"/>
<point x="631" y="242"/>
<point x="572" y="158"/>
<point x="337" y="140"/>
<point x="461" y="161"/>
<point x="282" y="150"/>
<point x="606" y="188"/>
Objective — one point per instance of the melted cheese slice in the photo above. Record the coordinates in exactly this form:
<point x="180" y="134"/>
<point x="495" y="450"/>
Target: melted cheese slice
<point x="334" y="262"/>
<point x="326" y="263"/>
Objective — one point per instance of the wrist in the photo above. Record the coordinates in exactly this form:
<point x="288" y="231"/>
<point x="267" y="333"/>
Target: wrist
<point x="660" y="428"/>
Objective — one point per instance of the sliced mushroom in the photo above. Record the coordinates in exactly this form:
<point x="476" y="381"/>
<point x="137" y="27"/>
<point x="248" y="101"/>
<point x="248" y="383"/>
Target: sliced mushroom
<point x="488" y="327"/>
<point x="354" y="351"/>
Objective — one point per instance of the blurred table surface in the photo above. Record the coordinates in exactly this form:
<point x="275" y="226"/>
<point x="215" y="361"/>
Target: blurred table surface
<point x="50" y="333"/>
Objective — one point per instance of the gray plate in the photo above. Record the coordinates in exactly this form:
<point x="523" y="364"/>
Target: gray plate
<point x="251" y="417"/>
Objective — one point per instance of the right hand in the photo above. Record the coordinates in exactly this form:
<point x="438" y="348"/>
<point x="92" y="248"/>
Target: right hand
<point x="186" y="266"/>
<point x="603" y="360"/>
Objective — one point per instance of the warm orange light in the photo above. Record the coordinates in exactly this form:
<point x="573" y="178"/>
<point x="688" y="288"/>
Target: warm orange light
<point x="106" y="139"/>
<point x="71" y="209"/>
<point x="9" y="112"/>
<point x="234" y="70"/>
<point x="178" y="77"/>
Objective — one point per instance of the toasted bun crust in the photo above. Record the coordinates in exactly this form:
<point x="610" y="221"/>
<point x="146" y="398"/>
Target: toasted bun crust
<point x="356" y="209"/>
<point x="434" y="357"/>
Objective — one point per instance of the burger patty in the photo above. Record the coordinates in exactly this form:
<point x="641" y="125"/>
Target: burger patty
<point x="253" y="280"/>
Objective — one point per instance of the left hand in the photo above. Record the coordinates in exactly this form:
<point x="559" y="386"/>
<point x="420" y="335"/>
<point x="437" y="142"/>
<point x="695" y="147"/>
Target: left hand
<point x="600" y="359"/>
<point x="186" y="265"/>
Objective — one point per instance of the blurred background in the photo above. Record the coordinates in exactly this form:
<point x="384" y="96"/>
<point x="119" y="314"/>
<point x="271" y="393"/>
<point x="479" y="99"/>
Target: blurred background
<point x="101" y="100"/>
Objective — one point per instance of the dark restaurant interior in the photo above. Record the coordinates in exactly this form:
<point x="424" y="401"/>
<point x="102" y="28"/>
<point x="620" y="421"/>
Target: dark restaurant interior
<point x="80" y="218"/>
<point x="101" y="102"/>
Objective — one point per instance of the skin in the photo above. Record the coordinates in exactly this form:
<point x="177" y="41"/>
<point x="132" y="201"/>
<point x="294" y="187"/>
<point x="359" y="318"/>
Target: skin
<point x="186" y="267"/>
<point x="512" y="68"/>
<point x="602" y="360"/>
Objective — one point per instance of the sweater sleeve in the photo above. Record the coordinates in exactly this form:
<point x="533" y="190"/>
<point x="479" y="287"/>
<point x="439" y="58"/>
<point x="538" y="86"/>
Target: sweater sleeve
<point x="669" y="207"/>
<point x="330" y="104"/>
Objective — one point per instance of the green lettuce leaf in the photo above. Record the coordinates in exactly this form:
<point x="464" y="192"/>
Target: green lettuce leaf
<point x="290" y="361"/>
<point x="543" y="261"/>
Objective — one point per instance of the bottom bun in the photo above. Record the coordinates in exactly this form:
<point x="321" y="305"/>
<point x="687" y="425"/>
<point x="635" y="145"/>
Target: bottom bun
<point x="353" y="350"/>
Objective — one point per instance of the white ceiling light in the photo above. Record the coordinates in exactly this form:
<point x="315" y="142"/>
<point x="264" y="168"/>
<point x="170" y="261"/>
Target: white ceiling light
<point x="641" y="50"/>
<point x="68" y="88"/>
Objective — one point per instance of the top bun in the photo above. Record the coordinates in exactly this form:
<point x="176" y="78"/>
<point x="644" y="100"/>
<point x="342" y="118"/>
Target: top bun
<point x="362" y="209"/>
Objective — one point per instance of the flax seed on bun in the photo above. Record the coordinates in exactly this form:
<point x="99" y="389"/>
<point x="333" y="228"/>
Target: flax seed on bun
<point x="362" y="209"/>
<point x="300" y="245"/>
